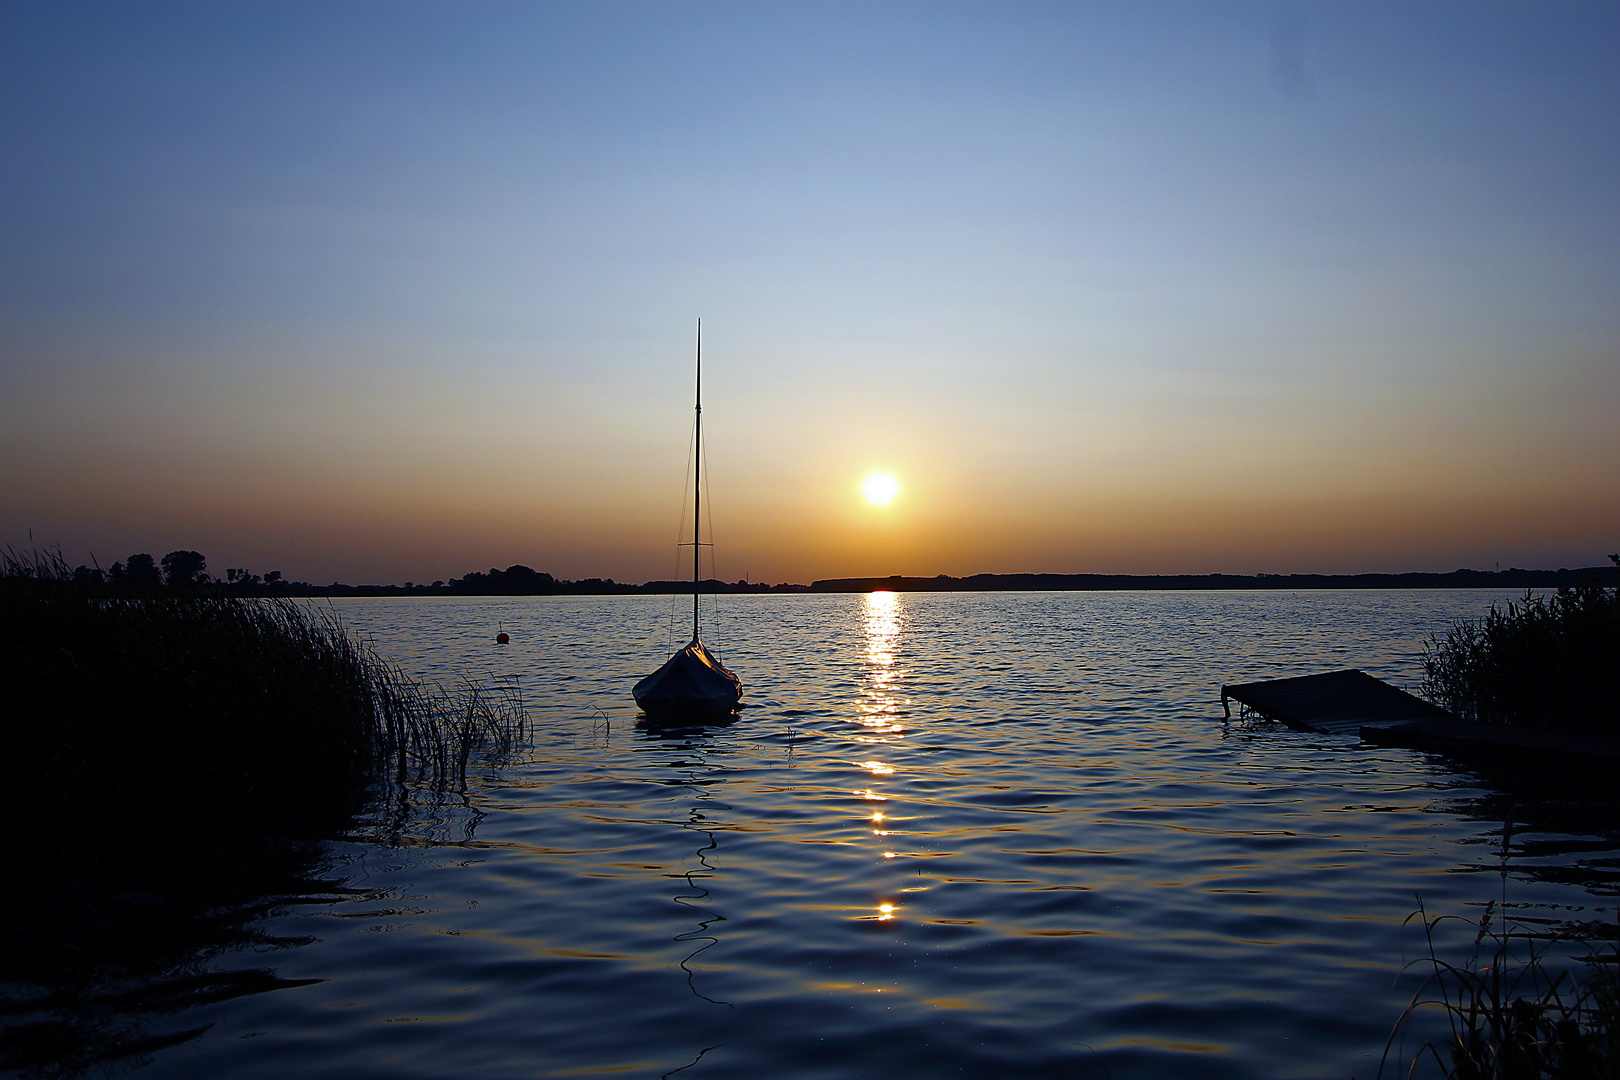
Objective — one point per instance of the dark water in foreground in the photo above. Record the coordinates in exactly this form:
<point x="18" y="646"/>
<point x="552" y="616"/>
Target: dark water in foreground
<point x="958" y="835"/>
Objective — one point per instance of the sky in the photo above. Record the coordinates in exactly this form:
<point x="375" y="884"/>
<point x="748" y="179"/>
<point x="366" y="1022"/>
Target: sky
<point x="394" y="291"/>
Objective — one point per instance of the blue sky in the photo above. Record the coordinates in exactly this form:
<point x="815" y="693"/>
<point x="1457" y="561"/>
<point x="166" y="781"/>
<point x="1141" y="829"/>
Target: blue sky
<point x="390" y="291"/>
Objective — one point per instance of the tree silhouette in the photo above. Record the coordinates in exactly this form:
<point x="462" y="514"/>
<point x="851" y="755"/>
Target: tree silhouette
<point x="141" y="572"/>
<point x="182" y="568"/>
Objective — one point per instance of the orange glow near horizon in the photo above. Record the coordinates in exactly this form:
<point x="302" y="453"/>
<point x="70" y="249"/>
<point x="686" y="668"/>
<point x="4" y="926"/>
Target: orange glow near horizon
<point x="501" y="484"/>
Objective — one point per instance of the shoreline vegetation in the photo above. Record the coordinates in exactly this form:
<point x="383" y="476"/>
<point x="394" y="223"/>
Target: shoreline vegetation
<point x="1544" y="662"/>
<point x="183" y="689"/>
<point x="142" y="575"/>
<point x="186" y="721"/>
<point x="176" y="756"/>
<point x="1530" y="1000"/>
<point x="1513" y="1007"/>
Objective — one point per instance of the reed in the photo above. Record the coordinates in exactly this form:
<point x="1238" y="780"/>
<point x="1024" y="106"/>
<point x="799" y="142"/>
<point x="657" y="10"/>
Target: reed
<point x="198" y="710"/>
<point x="1544" y="661"/>
<point x="1510" y="1015"/>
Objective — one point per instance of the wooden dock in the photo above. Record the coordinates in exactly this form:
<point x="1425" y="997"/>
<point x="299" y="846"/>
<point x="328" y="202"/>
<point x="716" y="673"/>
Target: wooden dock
<point x="1355" y="703"/>
<point x="1335" y="703"/>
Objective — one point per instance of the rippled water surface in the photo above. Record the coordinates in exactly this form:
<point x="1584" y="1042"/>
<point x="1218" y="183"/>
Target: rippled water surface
<point x="954" y="835"/>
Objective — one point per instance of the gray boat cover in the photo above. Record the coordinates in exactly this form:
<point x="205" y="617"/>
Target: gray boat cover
<point x="691" y="683"/>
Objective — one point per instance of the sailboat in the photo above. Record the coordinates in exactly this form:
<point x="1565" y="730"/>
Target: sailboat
<point x="693" y="684"/>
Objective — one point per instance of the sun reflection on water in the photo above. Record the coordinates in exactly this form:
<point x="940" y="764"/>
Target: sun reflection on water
<point x="880" y="706"/>
<point x="881" y="622"/>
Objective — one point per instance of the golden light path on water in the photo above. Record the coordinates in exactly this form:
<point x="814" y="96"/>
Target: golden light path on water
<point x="881" y="702"/>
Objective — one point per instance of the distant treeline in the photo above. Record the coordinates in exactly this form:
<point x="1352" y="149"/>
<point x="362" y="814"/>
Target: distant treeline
<point x="1456" y="579"/>
<point x="188" y="570"/>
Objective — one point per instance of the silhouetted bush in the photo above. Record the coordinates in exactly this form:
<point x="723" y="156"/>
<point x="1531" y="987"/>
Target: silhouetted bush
<point x="1544" y="661"/>
<point x="197" y="709"/>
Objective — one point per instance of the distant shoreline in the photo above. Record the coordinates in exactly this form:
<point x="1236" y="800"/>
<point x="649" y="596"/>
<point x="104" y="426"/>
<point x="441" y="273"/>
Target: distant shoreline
<point x="546" y="586"/>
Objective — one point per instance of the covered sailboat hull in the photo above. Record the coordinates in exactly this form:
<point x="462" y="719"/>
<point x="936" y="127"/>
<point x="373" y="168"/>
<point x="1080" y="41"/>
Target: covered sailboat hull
<point x="692" y="684"/>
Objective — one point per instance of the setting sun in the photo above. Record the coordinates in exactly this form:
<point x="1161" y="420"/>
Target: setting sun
<point x="880" y="489"/>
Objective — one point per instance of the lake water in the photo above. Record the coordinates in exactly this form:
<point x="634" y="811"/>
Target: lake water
<point x="975" y="835"/>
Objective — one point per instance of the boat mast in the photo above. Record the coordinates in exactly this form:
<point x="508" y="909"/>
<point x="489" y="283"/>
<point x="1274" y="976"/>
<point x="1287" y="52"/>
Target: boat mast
<point x="697" y="473"/>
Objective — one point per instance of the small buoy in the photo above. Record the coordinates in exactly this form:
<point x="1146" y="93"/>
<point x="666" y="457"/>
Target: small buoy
<point x="502" y="638"/>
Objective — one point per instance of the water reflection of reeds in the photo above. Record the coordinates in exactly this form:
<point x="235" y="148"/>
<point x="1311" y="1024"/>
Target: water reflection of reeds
<point x="94" y="962"/>
<point x="96" y="965"/>
<point x="1564" y="824"/>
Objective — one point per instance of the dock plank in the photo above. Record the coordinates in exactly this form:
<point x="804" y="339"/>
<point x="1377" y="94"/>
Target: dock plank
<point x="1333" y="703"/>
